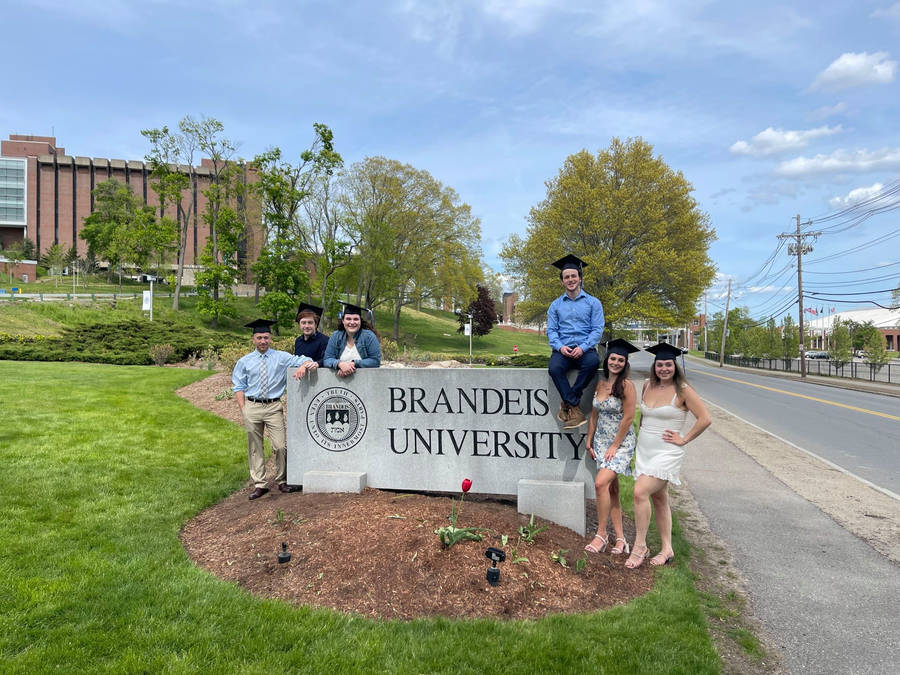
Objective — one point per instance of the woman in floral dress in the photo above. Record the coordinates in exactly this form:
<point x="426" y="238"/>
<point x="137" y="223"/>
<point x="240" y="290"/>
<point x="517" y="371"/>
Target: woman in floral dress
<point x="610" y="441"/>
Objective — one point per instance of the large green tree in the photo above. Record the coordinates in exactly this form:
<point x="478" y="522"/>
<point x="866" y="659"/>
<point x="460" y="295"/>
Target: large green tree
<point x="224" y="216"/>
<point x="841" y="352"/>
<point x="123" y="231"/>
<point x="288" y="247"/>
<point x="171" y="159"/>
<point x="633" y="220"/>
<point x="790" y="338"/>
<point x="413" y="237"/>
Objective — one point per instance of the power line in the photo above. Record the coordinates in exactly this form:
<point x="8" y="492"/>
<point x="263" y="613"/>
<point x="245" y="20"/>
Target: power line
<point x="864" y="269"/>
<point x="855" y="249"/>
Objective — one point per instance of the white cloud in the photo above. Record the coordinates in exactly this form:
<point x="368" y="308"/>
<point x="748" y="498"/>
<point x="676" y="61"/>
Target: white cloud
<point x="829" y="111"/>
<point x="522" y="16"/>
<point x="852" y="70"/>
<point x="436" y="22"/>
<point x="773" y="141"/>
<point x="892" y="12"/>
<point x="886" y="159"/>
<point x="855" y="196"/>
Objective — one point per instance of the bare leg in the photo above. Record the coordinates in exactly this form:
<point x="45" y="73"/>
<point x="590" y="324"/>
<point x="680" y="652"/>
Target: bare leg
<point x="615" y="508"/>
<point x="601" y="486"/>
<point x="644" y="487"/>
<point x="664" y="525"/>
<point x="603" y="482"/>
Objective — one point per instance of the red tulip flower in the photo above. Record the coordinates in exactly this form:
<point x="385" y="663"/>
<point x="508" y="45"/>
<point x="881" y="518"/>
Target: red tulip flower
<point x="466" y="485"/>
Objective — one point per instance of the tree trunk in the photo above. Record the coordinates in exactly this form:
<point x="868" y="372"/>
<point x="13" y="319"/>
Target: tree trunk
<point x="398" y="305"/>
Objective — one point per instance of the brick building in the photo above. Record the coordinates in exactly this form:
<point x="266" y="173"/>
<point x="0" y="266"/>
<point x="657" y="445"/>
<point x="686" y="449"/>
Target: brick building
<point x="46" y="194"/>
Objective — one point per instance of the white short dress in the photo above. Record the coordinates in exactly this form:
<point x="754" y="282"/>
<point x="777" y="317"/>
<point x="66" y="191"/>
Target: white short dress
<point x="653" y="456"/>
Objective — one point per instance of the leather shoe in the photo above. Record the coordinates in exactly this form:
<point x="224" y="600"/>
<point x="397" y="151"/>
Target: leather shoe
<point x="258" y="492"/>
<point x="284" y="487"/>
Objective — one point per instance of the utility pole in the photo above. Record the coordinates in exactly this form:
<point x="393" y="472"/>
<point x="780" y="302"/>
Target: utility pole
<point x="724" y="327"/>
<point x="799" y="248"/>
<point x="705" y="324"/>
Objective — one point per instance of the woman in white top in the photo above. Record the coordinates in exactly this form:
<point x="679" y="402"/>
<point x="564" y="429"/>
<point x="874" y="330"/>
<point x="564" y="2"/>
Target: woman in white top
<point x="665" y="401"/>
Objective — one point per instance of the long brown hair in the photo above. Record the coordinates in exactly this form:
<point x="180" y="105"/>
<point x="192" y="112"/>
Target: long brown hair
<point x="618" y="387"/>
<point x="363" y="325"/>
<point x="677" y="378"/>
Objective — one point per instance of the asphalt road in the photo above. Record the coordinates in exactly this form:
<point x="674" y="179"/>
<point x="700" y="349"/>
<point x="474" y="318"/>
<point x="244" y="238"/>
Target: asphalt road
<point x="858" y="431"/>
<point x="826" y="598"/>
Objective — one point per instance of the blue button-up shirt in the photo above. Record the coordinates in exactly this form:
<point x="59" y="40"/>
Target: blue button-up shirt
<point x="575" y="323"/>
<point x="245" y="376"/>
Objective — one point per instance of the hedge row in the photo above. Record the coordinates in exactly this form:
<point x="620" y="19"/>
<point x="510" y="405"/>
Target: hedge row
<point x="123" y="343"/>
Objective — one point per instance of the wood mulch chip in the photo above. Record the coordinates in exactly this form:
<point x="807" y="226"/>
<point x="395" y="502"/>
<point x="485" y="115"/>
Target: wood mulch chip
<point x="375" y="554"/>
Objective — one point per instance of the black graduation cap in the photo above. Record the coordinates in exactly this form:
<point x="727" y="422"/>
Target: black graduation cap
<point x="570" y="262"/>
<point x="350" y="308"/>
<point x="621" y="347"/>
<point x="665" y="352"/>
<point x="306" y="307"/>
<point x="260" y="326"/>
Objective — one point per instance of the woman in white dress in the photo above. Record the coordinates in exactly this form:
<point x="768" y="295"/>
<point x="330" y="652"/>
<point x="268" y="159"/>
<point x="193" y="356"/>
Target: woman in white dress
<point x="665" y="401"/>
<point x="610" y="441"/>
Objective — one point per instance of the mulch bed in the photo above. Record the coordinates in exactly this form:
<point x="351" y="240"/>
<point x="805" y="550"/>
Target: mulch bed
<point x="375" y="554"/>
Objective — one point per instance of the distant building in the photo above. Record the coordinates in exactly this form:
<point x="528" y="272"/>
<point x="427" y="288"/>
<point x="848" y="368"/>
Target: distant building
<point x="45" y="195"/>
<point x="509" y="307"/>
<point x="885" y="320"/>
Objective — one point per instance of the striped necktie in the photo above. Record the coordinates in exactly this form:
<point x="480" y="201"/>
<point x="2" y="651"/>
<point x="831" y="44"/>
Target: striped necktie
<point x="263" y="378"/>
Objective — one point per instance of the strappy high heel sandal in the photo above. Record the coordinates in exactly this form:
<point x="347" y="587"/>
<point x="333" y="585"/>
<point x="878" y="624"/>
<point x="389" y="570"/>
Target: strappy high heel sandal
<point x="592" y="548"/>
<point x="620" y="549"/>
<point x="637" y="559"/>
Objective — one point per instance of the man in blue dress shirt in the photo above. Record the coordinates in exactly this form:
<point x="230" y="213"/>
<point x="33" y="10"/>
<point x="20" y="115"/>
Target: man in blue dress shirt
<point x="574" y="327"/>
<point x="259" y="380"/>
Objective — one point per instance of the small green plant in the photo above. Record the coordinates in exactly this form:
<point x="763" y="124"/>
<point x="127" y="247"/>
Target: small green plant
<point x="581" y="564"/>
<point x="514" y="556"/>
<point x="226" y="395"/>
<point x="529" y="532"/>
<point x="560" y="556"/>
<point x="451" y="534"/>
<point x="279" y="517"/>
<point x="161" y="353"/>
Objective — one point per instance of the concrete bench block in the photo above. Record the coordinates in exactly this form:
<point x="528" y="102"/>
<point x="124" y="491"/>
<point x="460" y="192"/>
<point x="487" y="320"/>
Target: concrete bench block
<point x="334" y="481"/>
<point x="558" y="501"/>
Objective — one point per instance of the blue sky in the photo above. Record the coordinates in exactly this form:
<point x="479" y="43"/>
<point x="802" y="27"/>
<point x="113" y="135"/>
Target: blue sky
<point x="769" y="109"/>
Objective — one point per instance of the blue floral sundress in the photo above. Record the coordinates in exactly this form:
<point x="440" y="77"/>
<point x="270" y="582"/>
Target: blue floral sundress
<point x="609" y="416"/>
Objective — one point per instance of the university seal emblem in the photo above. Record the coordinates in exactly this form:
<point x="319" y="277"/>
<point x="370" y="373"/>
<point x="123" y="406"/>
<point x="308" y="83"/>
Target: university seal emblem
<point x="336" y="419"/>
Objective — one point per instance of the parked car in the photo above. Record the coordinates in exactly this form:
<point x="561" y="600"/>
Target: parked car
<point x="817" y="355"/>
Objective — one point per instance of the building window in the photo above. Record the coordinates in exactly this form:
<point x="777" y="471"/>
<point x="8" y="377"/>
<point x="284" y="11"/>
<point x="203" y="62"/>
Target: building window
<point x="12" y="191"/>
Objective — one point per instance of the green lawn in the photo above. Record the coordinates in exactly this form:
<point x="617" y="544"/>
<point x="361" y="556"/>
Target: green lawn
<point x="102" y="467"/>
<point x="435" y="331"/>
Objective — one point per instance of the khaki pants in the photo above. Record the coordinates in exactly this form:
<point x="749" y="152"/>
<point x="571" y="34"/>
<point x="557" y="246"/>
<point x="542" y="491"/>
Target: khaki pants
<point x="259" y="417"/>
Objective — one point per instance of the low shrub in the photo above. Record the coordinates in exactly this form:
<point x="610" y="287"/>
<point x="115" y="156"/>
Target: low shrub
<point x="390" y="350"/>
<point x="161" y="353"/>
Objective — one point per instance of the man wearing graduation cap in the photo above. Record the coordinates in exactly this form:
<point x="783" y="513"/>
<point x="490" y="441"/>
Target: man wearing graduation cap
<point x="259" y="380"/>
<point x="311" y="342"/>
<point x="574" y="327"/>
